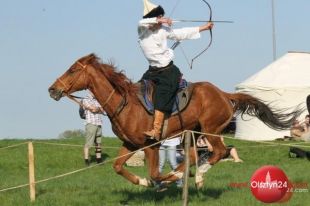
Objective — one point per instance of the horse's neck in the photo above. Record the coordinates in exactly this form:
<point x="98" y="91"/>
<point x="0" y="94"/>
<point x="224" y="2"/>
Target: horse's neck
<point x="104" y="93"/>
<point x="103" y="89"/>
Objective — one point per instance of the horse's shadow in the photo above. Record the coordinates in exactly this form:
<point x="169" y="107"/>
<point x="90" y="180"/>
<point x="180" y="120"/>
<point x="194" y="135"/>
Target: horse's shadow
<point x="174" y="193"/>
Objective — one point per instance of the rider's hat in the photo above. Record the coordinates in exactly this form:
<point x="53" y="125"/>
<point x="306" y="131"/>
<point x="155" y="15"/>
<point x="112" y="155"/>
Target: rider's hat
<point x="152" y="10"/>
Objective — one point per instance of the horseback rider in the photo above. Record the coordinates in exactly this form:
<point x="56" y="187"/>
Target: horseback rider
<point x="154" y="30"/>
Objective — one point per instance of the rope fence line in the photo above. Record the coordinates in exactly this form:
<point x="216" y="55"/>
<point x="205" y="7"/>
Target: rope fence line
<point x="270" y="144"/>
<point x="228" y="137"/>
<point x="15" y="187"/>
<point x="14" y="145"/>
<point x="90" y="167"/>
<point x="255" y="141"/>
<point x="74" y="145"/>
<point x="71" y="145"/>
<point x="181" y="134"/>
<point x="279" y="144"/>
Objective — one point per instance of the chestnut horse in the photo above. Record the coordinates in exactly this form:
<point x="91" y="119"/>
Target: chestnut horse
<point x="209" y="111"/>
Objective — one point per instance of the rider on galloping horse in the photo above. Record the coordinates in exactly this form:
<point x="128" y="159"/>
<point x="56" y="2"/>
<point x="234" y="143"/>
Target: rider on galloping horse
<point x="153" y="31"/>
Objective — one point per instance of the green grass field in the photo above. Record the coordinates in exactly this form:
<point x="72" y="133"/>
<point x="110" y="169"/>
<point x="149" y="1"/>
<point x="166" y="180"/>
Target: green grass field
<point x="101" y="186"/>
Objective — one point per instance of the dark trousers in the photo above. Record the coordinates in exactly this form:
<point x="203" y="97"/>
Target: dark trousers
<point x="166" y="86"/>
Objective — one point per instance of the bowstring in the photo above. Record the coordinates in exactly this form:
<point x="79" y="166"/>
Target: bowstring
<point x="178" y="42"/>
<point x="211" y="37"/>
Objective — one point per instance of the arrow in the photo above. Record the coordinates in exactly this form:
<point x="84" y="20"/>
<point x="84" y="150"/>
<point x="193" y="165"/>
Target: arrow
<point x="182" y="20"/>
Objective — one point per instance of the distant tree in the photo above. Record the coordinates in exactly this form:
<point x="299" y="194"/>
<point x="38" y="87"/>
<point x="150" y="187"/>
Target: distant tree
<point x="78" y="133"/>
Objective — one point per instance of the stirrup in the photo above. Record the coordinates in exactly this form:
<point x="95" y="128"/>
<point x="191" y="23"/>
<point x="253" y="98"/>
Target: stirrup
<point x="151" y="135"/>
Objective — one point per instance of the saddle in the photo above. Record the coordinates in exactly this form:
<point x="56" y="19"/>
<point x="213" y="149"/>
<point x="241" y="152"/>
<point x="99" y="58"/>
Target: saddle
<point x="146" y="91"/>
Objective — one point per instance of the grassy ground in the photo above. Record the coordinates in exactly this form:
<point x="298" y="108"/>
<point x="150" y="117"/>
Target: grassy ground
<point x="101" y="186"/>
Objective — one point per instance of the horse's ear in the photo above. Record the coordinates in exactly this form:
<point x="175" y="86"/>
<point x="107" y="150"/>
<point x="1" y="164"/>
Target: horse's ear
<point x="91" y="57"/>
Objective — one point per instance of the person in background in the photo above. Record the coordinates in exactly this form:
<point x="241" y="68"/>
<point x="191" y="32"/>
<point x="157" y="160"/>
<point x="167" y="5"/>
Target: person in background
<point x="154" y="30"/>
<point x="306" y="123"/>
<point x="202" y="142"/>
<point x="296" y="130"/>
<point x="306" y="126"/>
<point x="93" y="127"/>
<point x="168" y="149"/>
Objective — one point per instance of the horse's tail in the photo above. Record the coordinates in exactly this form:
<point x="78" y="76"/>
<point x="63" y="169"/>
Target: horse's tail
<point x="278" y="119"/>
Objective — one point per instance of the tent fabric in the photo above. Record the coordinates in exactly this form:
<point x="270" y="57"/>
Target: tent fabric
<point x="284" y="84"/>
<point x="289" y="71"/>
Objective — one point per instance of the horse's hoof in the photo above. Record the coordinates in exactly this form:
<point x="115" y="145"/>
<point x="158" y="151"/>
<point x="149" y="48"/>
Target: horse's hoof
<point x="162" y="187"/>
<point x="145" y="182"/>
<point x="152" y="183"/>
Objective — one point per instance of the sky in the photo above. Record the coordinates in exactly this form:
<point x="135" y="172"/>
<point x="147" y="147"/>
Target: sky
<point x="41" y="39"/>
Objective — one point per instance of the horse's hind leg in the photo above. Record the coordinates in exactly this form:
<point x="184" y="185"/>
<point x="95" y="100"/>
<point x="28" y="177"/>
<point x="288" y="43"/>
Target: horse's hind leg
<point x="219" y="151"/>
<point x="124" y="155"/>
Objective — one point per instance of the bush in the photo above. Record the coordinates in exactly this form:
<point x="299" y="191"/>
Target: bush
<point x="78" y="133"/>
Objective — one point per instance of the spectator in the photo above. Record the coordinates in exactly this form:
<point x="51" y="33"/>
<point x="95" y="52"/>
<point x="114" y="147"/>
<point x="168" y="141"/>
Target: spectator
<point x="306" y="123"/>
<point x="308" y="103"/>
<point x="203" y="156"/>
<point x="180" y="154"/>
<point x="299" y="153"/>
<point x="93" y="127"/>
<point x="306" y="126"/>
<point x="296" y="130"/>
<point x="168" y="149"/>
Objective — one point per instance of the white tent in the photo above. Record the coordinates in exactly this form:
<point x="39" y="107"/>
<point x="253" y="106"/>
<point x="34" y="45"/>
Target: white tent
<point x="285" y="84"/>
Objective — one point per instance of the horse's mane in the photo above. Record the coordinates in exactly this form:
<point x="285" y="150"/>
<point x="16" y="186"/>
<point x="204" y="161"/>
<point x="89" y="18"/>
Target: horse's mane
<point x="118" y="79"/>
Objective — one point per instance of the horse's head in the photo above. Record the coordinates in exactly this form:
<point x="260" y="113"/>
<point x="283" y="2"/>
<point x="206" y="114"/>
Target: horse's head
<point x="74" y="79"/>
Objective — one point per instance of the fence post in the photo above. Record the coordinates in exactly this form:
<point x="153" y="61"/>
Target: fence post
<point x="31" y="172"/>
<point x="187" y="143"/>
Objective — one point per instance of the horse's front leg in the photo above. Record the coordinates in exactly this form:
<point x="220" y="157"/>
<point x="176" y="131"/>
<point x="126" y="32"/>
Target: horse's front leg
<point x="124" y="155"/>
<point x="152" y="158"/>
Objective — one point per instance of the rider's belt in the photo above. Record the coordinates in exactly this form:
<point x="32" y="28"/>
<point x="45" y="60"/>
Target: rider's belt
<point x="159" y="69"/>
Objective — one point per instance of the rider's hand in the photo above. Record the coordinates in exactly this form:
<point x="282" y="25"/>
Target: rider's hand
<point x="164" y="20"/>
<point x="206" y="26"/>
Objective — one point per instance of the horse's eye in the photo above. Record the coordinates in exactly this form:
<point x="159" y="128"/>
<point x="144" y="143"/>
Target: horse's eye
<point x="71" y="70"/>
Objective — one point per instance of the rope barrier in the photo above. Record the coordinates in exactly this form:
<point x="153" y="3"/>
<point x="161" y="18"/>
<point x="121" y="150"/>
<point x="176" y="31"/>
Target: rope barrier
<point x="181" y="134"/>
<point x="71" y="145"/>
<point x="193" y="132"/>
<point x="15" y="187"/>
<point x="14" y="145"/>
<point x="261" y="142"/>
<point x="86" y="168"/>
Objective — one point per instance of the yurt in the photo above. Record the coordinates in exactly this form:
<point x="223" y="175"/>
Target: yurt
<point x="285" y="83"/>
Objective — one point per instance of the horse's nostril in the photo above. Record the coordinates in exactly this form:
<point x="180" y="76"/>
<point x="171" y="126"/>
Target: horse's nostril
<point x="50" y="90"/>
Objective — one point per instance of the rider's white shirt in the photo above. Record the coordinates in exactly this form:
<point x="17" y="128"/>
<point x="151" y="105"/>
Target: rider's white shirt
<point x="154" y="43"/>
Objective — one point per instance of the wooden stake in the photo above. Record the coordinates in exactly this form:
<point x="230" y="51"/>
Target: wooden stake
<point x="31" y="172"/>
<point x="187" y="144"/>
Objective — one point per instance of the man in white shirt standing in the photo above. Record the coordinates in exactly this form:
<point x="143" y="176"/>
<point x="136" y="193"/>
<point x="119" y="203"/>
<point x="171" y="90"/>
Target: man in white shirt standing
<point x="93" y="127"/>
<point x="154" y="30"/>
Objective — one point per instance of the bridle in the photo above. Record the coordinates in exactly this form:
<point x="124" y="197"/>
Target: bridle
<point x="68" y="87"/>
